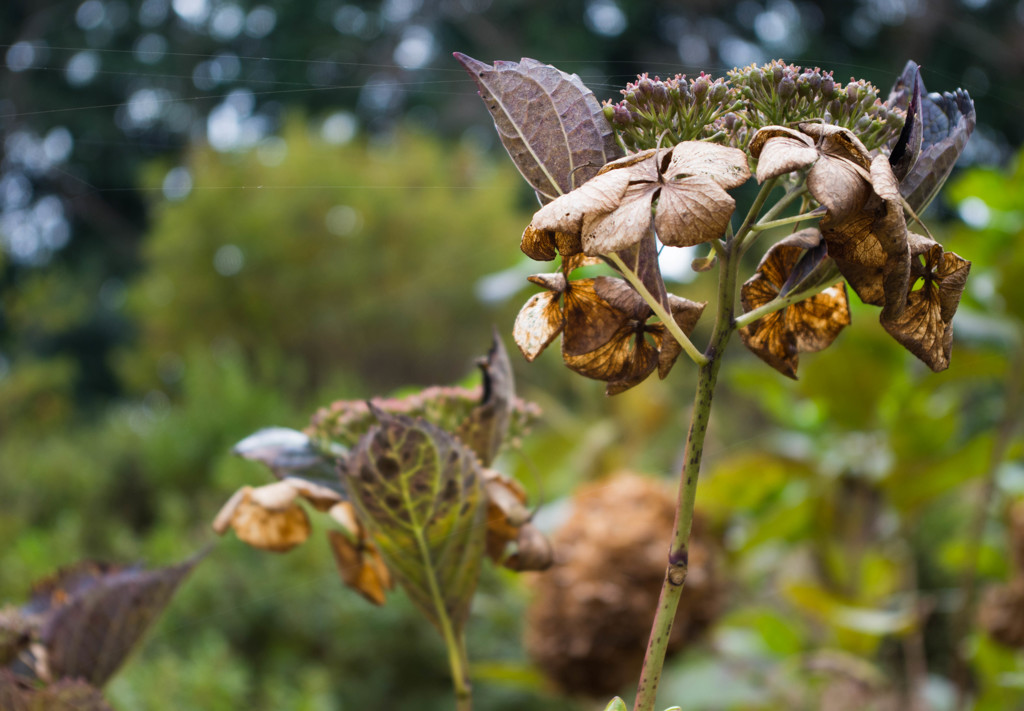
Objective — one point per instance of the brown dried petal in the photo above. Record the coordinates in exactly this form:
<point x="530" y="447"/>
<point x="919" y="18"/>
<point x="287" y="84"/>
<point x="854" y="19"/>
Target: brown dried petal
<point x="783" y="153"/>
<point x="623" y="227"/>
<point x="533" y="550"/>
<point x="361" y="567"/>
<point x="321" y="497"/>
<point x="838" y="142"/>
<point x="622" y="296"/>
<point x="838" y="185"/>
<point x="506" y="512"/>
<point x="724" y="165"/>
<point x="590" y="321"/>
<point x="925" y="327"/>
<point x="805" y="327"/>
<point x="539" y="322"/>
<point x="599" y="195"/>
<point x="686" y="314"/>
<point x="692" y="211"/>
<point x="870" y="245"/>
<point x="278" y="529"/>
<point x="624" y="360"/>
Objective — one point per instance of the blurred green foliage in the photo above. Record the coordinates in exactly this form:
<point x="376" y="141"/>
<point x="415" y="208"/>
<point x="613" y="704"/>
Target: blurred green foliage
<point x="358" y="258"/>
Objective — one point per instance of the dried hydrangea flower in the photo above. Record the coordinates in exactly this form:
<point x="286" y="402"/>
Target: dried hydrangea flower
<point x="679" y="192"/>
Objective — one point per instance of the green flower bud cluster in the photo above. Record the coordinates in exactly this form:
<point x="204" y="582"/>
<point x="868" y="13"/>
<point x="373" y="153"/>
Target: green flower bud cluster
<point x="783" y="94"/>
<point x="656" y="112"/>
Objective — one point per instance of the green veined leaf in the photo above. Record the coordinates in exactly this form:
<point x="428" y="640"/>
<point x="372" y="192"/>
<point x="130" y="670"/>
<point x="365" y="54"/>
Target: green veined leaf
<point x="419" y="492"/>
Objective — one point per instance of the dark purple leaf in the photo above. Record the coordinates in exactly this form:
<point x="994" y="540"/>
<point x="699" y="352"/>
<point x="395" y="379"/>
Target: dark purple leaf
<point x="947" y="121"/>
<point x="93" y="615"/>
<point x="549" y="121"/>
<point x="65" y="695"/>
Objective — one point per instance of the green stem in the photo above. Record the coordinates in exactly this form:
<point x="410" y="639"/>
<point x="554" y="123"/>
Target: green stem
<point x="747" y="234"/>
<point x="678" y="554"/>
<point x="455" y="642"/>
<point x="777" y="304"/>
<point x="659" y="310"/>
<point x="762" y="225"/>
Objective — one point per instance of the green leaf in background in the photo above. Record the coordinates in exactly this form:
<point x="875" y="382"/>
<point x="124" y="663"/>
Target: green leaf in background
<point x="616" y="704"/>
<point x="551" y="124"/>
<point x="418" y="490"/>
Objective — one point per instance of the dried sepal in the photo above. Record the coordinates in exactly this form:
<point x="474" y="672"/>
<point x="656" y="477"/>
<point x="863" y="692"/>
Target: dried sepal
<point x="556" y="227"/>
<point x="266" y="517"/>
<point x="679" y="192"/>
<point x="533" y="551"/>
<point x="506" y="512"/>
<point x="361" y="566"/>
<point x="804" y="327"/>
<point x="870" y="245"/>
<point x="780" y="150"/>
<point x="925" y="326"/>
<point x="538" y="324"/>
<point x="686" y="314"/>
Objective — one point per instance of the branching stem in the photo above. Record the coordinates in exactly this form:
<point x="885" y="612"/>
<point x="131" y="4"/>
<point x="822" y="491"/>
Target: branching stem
<point x="659" y="310"/>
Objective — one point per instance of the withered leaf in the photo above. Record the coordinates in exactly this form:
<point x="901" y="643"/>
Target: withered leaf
<point x="418" y="491"/>
<point x="538" y="324"/>
<point x="485" y="428"/>
<point x="804" y="327"/>
<point x="286" y="452"/>
<point x="93" y="616"/>
<point x="361" y="566"/>
<point x="552" y="125"/>
<point x="947" y="121"/>
<point x="907" y="94"/>
<point x="64" y="695"/>
<point x="925" y="327"/>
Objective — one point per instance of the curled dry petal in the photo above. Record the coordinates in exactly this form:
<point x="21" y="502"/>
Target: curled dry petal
<point x="780" y="150"/>
<point x="870" y="245"/>
<point x="804" y="327"/>
<point x="692" y="210"/>
<point x="506" y="512"/>
<point x="533" y="550"/>
<point x="279" y="526"/>
<point x="925" y="327"/>
<point x="361" y="566"/>
<point x="556" y="227"/>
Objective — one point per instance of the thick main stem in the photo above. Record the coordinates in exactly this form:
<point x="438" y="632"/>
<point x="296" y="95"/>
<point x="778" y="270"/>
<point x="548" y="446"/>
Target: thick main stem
<point x="678" y="556"/>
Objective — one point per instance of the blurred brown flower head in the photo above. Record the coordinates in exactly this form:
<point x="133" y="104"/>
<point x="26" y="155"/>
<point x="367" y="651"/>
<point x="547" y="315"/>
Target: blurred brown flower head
<point x="588" y="624"/>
